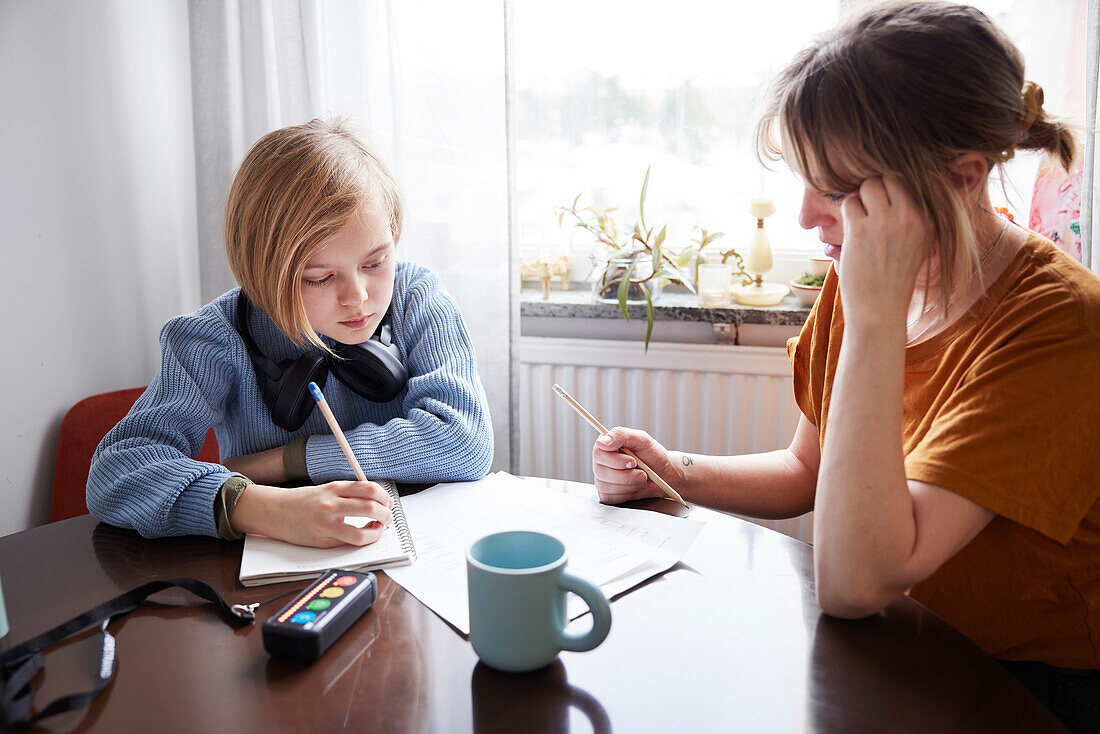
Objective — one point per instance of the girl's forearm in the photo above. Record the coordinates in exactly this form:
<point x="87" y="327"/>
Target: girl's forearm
<point x="864" y="528"/>
<point x="265" y="466"/>
<point x="253" y="513"/>
<point x="770" y="485"/>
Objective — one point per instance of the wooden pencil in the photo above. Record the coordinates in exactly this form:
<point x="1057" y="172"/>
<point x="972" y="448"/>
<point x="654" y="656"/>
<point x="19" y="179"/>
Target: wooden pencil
<point x="591" y="419"/>
<point x="336" y="431"/>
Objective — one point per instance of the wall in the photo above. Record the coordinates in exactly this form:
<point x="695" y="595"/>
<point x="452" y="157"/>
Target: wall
<point x="95" y="129"/>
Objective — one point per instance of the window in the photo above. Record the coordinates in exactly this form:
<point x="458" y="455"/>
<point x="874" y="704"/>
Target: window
<point x="603" y="90"/>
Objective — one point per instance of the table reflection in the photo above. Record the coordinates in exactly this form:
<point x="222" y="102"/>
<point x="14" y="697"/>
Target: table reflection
<point x="916" y="656"/>
<point x="130" y="560"/>
<point x="537" y="701"/>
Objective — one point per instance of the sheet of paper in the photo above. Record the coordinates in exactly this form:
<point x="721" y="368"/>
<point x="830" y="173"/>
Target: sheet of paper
<point x="609" y="546"/>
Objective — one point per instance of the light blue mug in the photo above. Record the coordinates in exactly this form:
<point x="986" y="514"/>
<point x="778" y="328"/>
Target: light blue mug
<point x="517" y="586"/>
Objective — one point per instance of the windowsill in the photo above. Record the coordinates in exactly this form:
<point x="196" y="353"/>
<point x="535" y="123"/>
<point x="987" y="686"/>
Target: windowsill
<point x="669" y="306"/>
<point x="677" y="317"/>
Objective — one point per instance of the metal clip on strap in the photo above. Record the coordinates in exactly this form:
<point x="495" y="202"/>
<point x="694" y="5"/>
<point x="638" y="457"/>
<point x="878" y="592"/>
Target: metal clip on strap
<point x="246" y="612"/>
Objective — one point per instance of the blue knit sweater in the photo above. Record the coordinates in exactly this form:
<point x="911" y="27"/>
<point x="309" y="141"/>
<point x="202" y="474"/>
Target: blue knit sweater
<point x="437" y="429"/>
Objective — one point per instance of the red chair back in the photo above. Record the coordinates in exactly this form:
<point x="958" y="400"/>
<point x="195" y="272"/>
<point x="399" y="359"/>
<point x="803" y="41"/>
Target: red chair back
<point x="82" y="428"/>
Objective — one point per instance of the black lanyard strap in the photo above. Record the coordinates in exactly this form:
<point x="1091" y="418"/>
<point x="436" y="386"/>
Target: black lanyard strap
<point x="20" y="664"/>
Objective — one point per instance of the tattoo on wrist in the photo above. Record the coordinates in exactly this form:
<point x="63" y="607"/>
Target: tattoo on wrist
<point x="687" y="460"/>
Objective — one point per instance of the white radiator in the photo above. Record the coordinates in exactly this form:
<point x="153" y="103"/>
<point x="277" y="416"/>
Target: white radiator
<point x="701" y="398"/>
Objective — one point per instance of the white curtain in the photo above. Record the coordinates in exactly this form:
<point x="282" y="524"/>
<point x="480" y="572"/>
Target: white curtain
<point x="249" y="75"/>
<point x="427" y="82"/>
<point x="1090" y="192"/>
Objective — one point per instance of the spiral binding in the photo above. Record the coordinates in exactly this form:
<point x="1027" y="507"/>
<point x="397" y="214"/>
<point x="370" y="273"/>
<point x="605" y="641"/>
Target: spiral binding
<point x="400" y="524"/>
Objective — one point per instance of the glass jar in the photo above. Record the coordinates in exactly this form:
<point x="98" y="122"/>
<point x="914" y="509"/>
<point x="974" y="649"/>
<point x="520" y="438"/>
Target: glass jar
<point x="606" y="279"/>
<point x="715" y="284"/>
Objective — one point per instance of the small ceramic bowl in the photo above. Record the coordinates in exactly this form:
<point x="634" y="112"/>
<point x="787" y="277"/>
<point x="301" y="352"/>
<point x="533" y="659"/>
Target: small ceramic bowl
<point x="806" y="293"/>
<point x="819" y="264"/>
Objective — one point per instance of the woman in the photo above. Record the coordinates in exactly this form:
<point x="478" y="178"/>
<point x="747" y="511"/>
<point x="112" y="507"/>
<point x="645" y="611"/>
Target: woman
<point x="949" y="374"/>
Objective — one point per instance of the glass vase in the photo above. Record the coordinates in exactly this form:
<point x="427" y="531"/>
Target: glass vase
<point x="606" y="280"/>
<point x="714" y="284"/>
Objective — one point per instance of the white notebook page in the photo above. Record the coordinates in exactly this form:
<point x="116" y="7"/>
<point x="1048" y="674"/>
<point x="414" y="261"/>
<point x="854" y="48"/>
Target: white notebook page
<point x="613" y="547"/>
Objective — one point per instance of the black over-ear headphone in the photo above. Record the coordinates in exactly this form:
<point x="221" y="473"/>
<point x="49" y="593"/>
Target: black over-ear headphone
<point x="372" y="369"/>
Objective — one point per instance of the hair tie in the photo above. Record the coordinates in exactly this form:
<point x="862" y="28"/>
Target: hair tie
<point x="1033" y="104"/>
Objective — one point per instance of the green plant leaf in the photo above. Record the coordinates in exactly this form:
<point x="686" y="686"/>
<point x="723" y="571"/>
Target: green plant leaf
<point x="641" y="200"/>
<point x="678" y="276"/>
<point x="657" y="257"/>
<point x="648" y="318"/>
<point x="624" y="291"/>
<point x="685" y="257"/>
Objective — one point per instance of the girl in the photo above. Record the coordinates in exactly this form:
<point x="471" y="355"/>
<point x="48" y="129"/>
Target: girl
<point x="312" y="224"/>
<point x="949" y="374"/>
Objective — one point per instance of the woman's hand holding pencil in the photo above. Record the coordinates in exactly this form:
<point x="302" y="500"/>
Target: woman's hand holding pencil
<point x="630" y="463"/>
<point x="618" y="476"/>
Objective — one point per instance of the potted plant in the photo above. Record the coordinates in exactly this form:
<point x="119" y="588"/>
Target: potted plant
<point x="634" y="267"/>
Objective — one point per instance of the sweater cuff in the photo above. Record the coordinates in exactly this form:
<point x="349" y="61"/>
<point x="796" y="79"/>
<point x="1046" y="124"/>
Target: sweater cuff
<point x="294" y="460"/>
<point x="226" y="501"/>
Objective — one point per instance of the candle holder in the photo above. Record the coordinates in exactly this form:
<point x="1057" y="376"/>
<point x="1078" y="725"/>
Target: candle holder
<point x="544" y="272"/>
<point x="759" y="261"/>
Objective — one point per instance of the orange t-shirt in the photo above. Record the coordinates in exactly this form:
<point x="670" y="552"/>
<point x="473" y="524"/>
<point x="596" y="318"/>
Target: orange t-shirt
<point x="1003" y="408"/>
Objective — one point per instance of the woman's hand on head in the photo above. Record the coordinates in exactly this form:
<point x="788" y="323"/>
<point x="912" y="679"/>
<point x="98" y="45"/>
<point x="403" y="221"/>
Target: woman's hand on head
<point x="886" y="239"/>
<point x="314" y="515"/>
<point x="617" y="477"/>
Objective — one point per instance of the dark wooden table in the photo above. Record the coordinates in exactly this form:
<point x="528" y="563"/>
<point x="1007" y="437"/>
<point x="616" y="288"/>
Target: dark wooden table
<point x="729" y="640"/>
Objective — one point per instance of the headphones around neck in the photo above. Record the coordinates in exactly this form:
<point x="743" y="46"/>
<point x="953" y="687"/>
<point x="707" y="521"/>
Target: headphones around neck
<point x="372" y="370"/>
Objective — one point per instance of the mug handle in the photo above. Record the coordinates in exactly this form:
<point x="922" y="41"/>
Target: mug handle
<point x="601" y="616"/>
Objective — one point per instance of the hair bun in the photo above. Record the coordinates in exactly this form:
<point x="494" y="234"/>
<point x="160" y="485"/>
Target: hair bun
<point x="1032" y="97"/>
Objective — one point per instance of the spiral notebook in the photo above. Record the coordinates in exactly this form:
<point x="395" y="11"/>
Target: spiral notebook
<point x="269" y="561"/>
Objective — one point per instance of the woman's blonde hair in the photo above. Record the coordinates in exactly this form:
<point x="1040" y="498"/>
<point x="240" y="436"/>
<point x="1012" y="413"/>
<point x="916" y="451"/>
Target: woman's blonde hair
<point x="295" y="189"/>
<point x="906" y="88"/>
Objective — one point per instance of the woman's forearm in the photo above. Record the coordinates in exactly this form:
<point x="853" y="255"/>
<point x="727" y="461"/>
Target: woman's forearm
<point x="770" y="485"/>
<point x="864" y="527"/>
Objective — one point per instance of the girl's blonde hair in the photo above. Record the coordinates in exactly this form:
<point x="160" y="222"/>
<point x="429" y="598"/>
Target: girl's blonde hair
<point x="295" y="189"/>
<point x="906" y="88"/>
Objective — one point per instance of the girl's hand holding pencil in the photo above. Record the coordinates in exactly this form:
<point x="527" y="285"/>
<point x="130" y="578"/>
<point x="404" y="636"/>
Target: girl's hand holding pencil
<point x="315" y="391"/>
<point x="314" y="515"/>
<point x="322" y="516"/>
